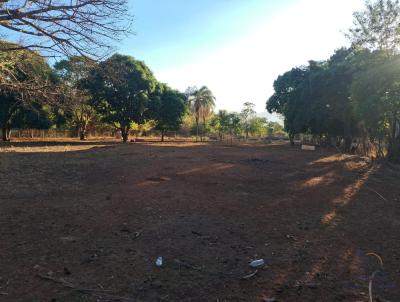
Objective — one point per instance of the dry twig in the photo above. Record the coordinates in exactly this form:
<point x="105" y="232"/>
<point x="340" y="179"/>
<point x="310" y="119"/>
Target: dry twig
<point x="247" y="277"/>
<point x="371" y="278"/>
<point x="380" y="195"/>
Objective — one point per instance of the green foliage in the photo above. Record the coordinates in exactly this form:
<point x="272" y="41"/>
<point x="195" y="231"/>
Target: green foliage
<point x="72" y="73"/>
<point x="258" y="126"/>
<point x="234" y="123"/>
<point x="167" y="108"/>
<point x="247" y="114"/>
<point x="121" y="88"/>
<point x="202" y="102"/>
<point x="376" y="97"/>
<point x="315" y="99"/>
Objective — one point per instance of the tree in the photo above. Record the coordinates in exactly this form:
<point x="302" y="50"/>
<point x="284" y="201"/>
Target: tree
<point x="72" y="73"/>
<point x="377" y="27"/>
<point x="202" y="102"/>
<point x="247" y="114"/>
<point x="121" y="87"/>
<point x="315" y="99"/>
<point x="221" y="123"/>
<point x="64" y="27"/>
<point x="376" y="96"/>
<point x="287" y="100"/>
<point x="25" y="67"/>
<point x="257" y="126"/>
<point x="234" y="124"/>
<point x="167" y="109"/>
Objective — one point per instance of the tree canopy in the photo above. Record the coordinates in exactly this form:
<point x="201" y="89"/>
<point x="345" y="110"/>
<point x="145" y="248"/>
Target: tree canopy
<point x="167" y="108"/>
<point x="121" y="87"/>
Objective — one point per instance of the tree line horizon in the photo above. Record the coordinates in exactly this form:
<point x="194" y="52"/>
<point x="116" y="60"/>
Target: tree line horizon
<point x="119" y="92"/>
<point x="352" y="95"/>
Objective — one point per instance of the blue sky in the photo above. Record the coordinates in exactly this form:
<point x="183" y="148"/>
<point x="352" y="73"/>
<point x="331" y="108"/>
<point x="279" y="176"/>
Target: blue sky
<point x="171" y="32"/>
<point x="235" y="47"/>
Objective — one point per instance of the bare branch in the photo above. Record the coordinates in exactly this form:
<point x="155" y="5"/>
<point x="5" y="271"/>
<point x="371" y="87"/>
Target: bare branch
<point x="65" y="27"/>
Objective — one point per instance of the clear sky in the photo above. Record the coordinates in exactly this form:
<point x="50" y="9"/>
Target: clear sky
<point x="235" y="47"/>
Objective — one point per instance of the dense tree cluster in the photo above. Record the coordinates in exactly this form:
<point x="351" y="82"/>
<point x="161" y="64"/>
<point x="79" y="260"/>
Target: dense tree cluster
<point x="243" y="124"/>
<point x="353" y="94"/>
<point x="119" y="91"/>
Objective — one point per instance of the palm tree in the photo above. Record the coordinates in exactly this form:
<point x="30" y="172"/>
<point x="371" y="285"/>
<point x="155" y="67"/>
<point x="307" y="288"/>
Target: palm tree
<point x="202" y="102"/>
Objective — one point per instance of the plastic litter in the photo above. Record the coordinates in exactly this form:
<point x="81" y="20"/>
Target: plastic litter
<point x="257" y="263"/>
<point x="159" y="261"/>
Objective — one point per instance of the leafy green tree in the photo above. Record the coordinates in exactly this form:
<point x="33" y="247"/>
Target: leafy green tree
<point x="234" y="124"/>
<point x="121" y="87"/>
<point x="258" y="126"/>
<point x="221" y="123"/>
<point x="72" y="72"/>
<point x="315" y="99"/>
<point x="287" y="100"/>
<point x="376" y="95"/>
<point x="167" y="109"/>
<point x="377" y="28"/>
<point x="36" y="116"/>
<point x="247" y="114"/>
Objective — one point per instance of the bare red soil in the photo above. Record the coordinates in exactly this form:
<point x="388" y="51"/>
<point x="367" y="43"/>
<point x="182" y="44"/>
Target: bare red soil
<point x="86" y="222"/>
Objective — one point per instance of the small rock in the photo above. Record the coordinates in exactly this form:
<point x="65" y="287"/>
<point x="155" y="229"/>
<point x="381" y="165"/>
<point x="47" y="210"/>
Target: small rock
<point x="69" y="239"/>
<point x="37" y="267"/>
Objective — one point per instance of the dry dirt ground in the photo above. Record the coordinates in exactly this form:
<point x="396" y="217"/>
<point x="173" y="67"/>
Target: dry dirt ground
<point x="86" y="222"/>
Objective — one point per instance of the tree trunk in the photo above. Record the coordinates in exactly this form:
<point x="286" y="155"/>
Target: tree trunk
<point x="162" y="135"/>
<point x="125" y="133"/>
<point x="291" y="138"/>
<point x="204" y="129"/>
<point x="347" y="143"/>
<point x="197" y="129"/>
<point x="394" y="144"/>
<point x="5" y="134"/>
<point x="82" y="132"/>
<point x="394" y="151"/>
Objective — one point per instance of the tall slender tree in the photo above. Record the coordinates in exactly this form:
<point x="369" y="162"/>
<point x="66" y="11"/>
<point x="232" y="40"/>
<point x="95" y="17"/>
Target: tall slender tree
<point x="202" y="103"/>
<point x="247" y="114"/>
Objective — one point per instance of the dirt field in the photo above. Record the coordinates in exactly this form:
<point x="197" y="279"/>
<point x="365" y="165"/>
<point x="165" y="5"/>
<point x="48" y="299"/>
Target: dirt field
<point x="86" y="222"/>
